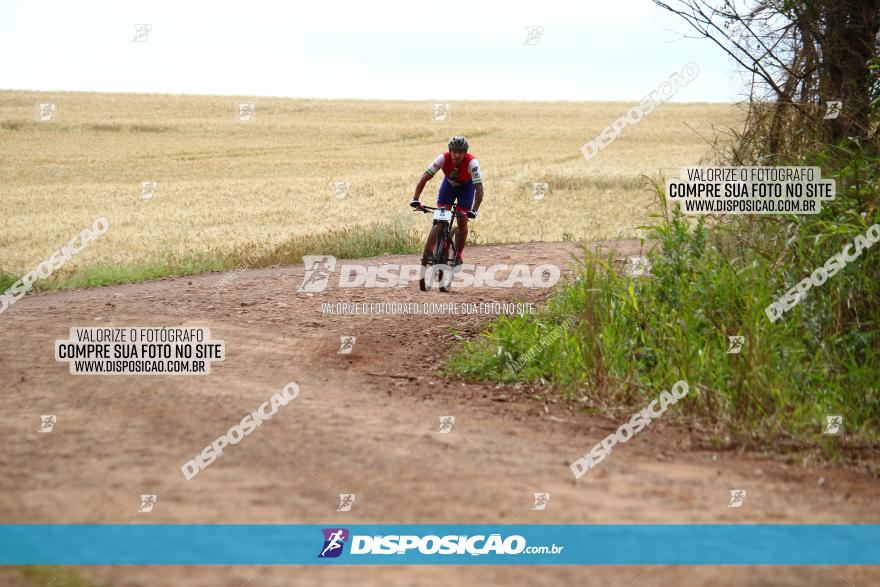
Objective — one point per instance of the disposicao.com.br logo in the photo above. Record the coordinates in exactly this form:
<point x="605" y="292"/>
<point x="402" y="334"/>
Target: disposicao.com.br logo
<point x="450" y="544"/>
<point x="320" y="268"/>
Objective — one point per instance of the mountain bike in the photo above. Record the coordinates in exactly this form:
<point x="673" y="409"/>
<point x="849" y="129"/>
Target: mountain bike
<point x="437" y="265"/>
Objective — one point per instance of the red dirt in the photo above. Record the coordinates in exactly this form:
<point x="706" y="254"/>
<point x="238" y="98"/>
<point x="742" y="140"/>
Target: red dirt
<point x="364" y="423"/>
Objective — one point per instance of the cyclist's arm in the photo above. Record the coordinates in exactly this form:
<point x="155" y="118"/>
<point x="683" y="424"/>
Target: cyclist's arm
<point x="478" y="196"/>
<point x="426" y="177"/>
<point x="477" y="177"/>
<point x="433" y="168"/>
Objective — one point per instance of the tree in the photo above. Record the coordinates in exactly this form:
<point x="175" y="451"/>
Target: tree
<point x="801" y="54"/>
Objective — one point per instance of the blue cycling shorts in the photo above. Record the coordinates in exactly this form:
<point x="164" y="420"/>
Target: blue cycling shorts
<point x="460" y="195"/>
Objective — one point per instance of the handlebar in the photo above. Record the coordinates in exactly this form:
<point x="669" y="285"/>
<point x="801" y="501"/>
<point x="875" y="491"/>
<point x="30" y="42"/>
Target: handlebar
<point x="426" y="209"/>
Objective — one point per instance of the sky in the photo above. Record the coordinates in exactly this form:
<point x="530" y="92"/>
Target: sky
<point x="474" y="50"/>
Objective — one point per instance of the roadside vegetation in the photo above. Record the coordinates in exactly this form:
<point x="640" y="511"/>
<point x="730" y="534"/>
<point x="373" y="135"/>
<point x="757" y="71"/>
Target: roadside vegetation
<point x="633" y="336"/>
<point x="712" y="278"/>
<point x="345" y="243"/>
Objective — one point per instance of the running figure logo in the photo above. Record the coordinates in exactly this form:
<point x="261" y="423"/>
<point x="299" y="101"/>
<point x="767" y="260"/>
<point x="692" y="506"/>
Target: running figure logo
<point x="639" y="266"/>
<point x="737" y="497"/>
<point x="246" y="111"/>
<point x="46" y="112"/>
<point x="340" y="189"/>
<point x="441" y="112"/>
<point x="148" y="190"/>
<point x="346" y="500"/>
<point x="533" y="35"/>
<point x="833" y="424"/>
<point x="446" y="423"/>
<point x="541" y="501"/>
<point x="334" y="541"/>
<point x="834" y="108"/>
<point x="539" y="190"/>
<point x="147" y="503"/>
<point x="736" y="344"/>
<point x="142" y="33"/>
<point x="47" y="423"/>
<point x="346" y="345"/>
<point x="318" y="270"/>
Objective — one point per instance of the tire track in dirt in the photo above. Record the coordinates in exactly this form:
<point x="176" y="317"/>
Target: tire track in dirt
<point x="364" y="423"/>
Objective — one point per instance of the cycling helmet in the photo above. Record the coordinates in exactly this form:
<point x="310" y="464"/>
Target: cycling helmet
<point x="458" y="143"/>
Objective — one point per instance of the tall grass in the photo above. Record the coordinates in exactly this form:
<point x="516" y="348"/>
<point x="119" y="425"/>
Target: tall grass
<point x="348" y="242"/>
<point x="711" y="280"/>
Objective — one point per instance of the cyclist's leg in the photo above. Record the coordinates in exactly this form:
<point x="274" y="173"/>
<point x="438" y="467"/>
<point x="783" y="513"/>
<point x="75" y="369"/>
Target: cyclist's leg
<point x="461" y="232"/>
<point x="447" y="195"/>
<point x="429" y="246"/>
<point x="465" y="203"/>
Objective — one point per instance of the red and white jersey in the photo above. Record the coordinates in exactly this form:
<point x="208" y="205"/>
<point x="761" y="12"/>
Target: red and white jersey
<point x="467" y="170"/>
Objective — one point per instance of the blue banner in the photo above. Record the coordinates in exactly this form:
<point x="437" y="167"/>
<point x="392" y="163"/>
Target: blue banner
<point x="270" y="544"/>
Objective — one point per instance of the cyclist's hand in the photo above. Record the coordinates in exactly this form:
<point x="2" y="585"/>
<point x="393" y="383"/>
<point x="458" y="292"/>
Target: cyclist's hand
<point x="472" y="214"/>
<point x="415" y="203"/>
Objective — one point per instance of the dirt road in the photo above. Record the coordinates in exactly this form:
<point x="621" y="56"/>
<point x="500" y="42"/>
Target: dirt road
<point x="365" y="423"/>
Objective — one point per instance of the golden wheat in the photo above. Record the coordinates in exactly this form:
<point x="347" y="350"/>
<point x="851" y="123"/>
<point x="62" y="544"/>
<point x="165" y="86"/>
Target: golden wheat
<point x="223" y="184"/>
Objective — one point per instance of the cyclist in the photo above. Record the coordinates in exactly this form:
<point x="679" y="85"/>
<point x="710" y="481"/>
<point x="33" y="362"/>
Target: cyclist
<point x="462" y="185"/>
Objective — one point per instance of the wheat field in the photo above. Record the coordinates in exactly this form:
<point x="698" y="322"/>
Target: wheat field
<point x="223" y="184"/>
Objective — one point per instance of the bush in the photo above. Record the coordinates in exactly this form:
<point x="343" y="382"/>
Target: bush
<point x="711" y="279"/>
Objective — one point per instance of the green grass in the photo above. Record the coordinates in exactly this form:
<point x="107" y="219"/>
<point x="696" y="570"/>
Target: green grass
<point x="53" y="576"/>
<point x="633" y="337"/>
<point x="346" y="243"/>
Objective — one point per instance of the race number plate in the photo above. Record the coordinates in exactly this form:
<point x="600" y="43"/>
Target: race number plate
<point x="443" y="215"/>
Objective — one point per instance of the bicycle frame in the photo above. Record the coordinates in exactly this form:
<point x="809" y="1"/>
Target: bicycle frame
<point x="444" y="242"/>
<point x="444" y="236"/>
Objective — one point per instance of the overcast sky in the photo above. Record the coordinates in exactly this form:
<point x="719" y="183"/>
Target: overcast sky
<point x="474" y="50"/>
